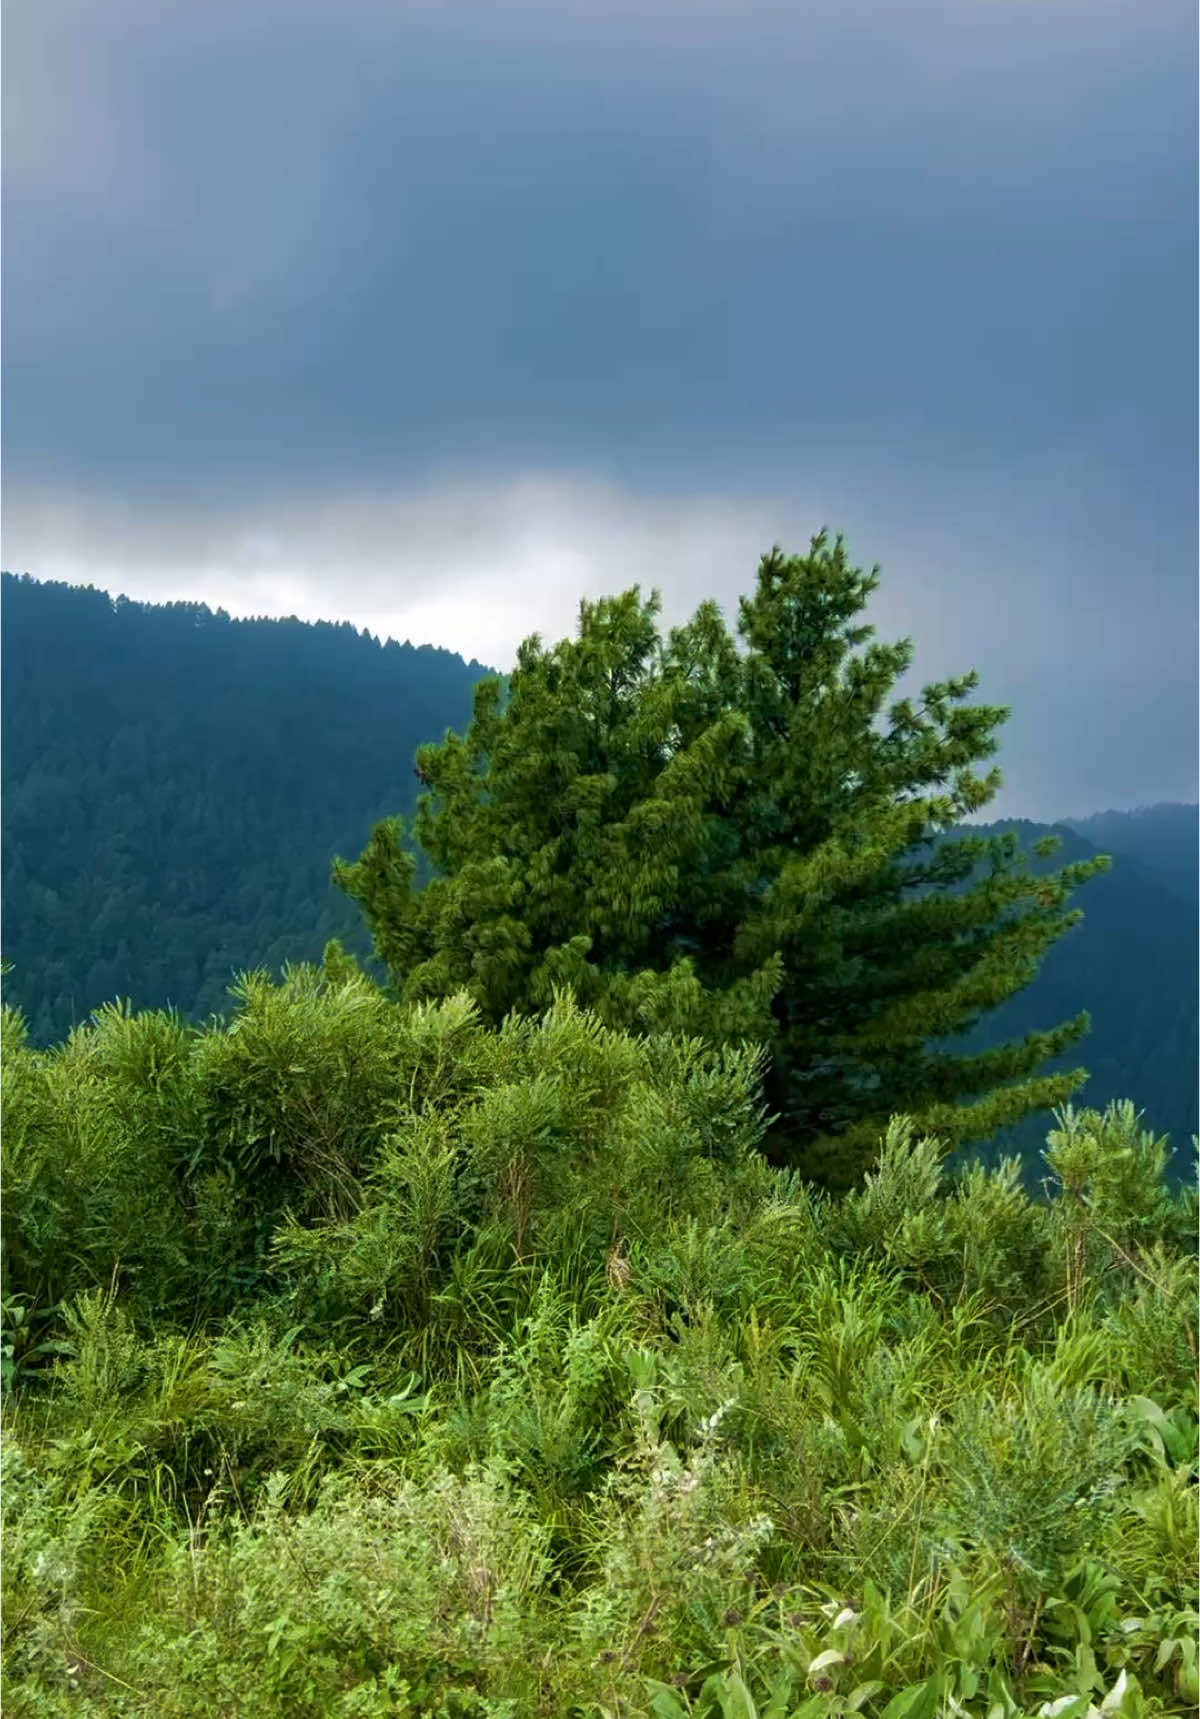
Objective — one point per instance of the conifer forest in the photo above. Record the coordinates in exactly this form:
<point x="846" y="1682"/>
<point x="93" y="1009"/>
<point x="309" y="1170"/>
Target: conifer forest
<point x="605" y="1192"/>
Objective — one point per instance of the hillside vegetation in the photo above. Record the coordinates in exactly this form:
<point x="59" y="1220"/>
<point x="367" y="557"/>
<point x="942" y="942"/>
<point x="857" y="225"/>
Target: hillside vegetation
<point x="581" y="1319"/>
<point x="1132" y="963"/>
<point x="175" y="784"/>
<point x="362" y="1358"/>
<point x="1159" y="840"/>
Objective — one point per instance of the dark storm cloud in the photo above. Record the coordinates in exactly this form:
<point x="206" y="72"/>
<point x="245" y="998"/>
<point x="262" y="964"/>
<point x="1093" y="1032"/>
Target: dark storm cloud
<point x="927" y="272"/>
<point x="261" y="238"/>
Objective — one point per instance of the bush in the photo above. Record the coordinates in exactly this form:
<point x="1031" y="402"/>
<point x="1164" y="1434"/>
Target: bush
<point x="364" y="1359"/>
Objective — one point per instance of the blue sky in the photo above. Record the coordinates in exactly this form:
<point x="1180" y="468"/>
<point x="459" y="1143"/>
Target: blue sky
<point x="435" y="317"/>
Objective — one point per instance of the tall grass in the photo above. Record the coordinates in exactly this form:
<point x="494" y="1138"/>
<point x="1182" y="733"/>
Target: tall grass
<point x="362" y="1360"/>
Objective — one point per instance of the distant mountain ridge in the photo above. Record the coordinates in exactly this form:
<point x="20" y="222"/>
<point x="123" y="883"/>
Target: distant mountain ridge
<point x="1132" y="963"/>
<point x="176" y="784"/>
<point x="1161" y="840"/>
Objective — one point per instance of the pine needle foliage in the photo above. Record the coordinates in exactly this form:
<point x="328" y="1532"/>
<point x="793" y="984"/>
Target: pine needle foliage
<point x="363" y="1357"/>
<point x="737" y="837"/>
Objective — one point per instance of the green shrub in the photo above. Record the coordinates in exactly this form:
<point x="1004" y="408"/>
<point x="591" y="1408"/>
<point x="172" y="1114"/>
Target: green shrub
<point x="364" y="1359"/>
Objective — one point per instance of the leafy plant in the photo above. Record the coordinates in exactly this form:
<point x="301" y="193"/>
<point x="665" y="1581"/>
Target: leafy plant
<point x="491" y="1372"/>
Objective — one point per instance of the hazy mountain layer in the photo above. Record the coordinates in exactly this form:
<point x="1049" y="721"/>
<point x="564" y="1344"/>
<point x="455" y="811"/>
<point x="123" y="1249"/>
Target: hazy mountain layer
<point x="176" y="783"/>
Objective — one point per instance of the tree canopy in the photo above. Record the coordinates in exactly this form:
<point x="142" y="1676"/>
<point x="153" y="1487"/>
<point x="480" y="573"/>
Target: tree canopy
<point x="737" y="837"/>
<point x="174" y="784"/>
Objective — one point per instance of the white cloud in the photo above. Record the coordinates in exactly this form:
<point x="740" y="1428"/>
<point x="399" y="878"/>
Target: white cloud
<point x="476" y="567"/>
<point x="473" y="567"/>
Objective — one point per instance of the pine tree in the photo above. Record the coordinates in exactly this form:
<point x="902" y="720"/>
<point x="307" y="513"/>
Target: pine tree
<point x="736" y="842"/>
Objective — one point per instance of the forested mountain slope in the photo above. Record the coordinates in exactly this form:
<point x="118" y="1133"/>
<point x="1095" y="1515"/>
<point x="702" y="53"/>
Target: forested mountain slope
<point x="1132" y="963"/>
<point x="1161" y="840"/>
<point x="176" y="784"/>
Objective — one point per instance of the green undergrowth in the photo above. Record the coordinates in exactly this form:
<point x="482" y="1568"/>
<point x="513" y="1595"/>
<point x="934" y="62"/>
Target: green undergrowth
<point x="365" y="1360"/>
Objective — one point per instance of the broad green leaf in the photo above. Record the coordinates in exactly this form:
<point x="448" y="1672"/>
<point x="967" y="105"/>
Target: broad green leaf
<point x="918" y="1701"/>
